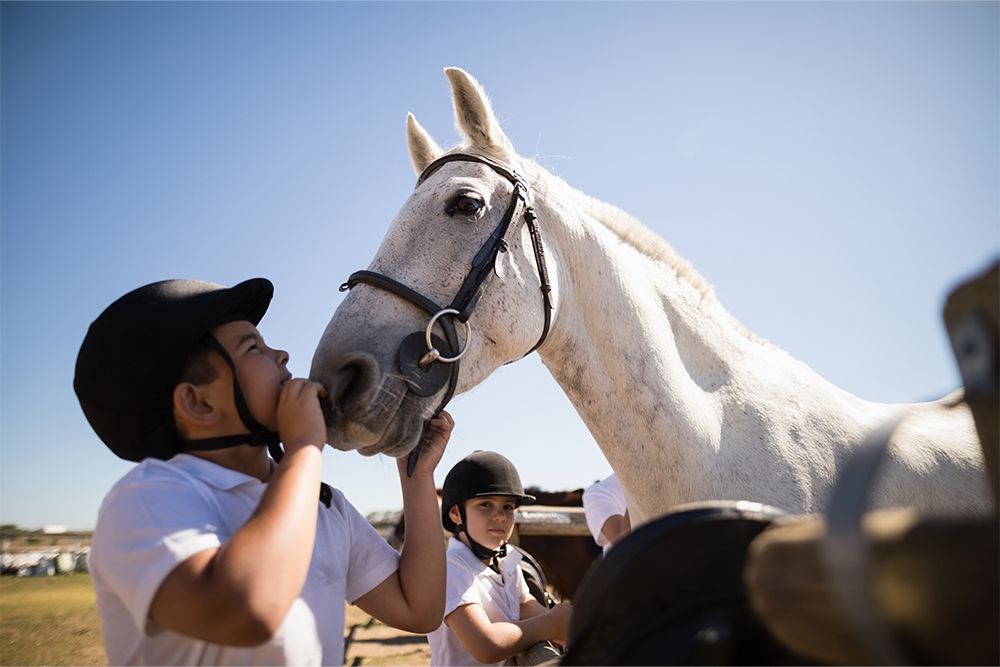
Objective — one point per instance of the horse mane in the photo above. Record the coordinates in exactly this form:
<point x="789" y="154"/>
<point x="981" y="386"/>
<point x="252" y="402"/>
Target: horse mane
<point x="639" y="236"/>
<point x="634" y="233"/>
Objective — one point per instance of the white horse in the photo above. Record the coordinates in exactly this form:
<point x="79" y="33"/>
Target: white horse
<point x="684" y="402"/>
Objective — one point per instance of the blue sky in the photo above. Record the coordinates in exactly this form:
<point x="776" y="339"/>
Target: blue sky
<point x="833" y="169"/>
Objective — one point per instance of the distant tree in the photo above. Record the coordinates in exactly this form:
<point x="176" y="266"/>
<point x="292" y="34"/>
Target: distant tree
<point x="9" y="528"/>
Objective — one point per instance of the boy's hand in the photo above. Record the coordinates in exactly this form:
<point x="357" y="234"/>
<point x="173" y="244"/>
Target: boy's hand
<point x="300" y="417"/>
<point x="436" y="437"/>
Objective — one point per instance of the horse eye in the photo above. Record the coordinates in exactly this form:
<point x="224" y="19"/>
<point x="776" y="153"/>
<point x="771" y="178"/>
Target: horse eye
<point x="466" y="204"/>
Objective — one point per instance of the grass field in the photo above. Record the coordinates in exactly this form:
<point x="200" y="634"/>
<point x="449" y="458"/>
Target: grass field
<point x="53" y="621"/>
<point x="49" y="621"/>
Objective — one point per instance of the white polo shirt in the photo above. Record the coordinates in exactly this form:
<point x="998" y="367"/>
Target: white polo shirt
<point x="163" y="512"/>
<point x="601" y="501"/>
<point x="472" y="582"/>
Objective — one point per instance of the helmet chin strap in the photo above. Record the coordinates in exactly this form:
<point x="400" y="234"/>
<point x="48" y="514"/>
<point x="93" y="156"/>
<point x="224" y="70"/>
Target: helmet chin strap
<point x="259" y="434"/>
<point x="481" y="552"/>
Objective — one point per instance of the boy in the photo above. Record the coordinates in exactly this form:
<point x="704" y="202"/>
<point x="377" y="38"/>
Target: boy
<point x="208" y="552"/>
<point x="489" y="614"/>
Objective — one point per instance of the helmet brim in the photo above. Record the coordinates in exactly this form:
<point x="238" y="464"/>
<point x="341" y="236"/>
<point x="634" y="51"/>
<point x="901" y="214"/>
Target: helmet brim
<point x="134" y="354"/>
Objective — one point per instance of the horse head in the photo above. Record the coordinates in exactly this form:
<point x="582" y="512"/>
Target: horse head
<point x="458" y="269"/>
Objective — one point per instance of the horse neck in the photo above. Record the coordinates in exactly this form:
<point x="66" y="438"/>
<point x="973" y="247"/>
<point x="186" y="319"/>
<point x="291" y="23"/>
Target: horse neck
<point x="655" y="365"/>
<point x="632" y="346"/>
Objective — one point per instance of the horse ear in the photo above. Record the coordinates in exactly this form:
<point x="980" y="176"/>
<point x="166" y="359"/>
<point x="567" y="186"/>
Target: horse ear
<point x="473" y="115"/>
<point x="423" y="149"/>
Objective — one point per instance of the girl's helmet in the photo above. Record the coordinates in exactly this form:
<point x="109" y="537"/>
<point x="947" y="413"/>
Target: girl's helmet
<point x="479" y="474"/>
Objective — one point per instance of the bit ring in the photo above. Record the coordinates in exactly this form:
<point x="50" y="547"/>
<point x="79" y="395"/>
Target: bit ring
<point x="433" y="354"/>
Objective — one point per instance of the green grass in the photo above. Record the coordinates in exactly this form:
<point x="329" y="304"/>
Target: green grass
<point x="49" y="621"/>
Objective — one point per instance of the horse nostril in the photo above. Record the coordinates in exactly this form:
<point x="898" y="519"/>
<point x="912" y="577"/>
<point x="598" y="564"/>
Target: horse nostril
<point x="353" y="384"/>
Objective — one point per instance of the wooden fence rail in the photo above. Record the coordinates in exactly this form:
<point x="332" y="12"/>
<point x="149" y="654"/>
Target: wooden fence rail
<point x="551" y="520"/>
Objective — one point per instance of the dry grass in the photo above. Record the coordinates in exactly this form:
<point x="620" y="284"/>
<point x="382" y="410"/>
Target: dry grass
<point x="49" y="621"/>
<point x="54" y="621"/>
<point x="370" y="642"/>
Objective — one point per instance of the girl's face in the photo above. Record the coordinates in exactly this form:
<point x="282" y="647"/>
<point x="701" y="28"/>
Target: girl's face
<point x="489" y="519"/>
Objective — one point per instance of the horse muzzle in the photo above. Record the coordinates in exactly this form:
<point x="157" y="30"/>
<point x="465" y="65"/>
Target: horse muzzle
<point x="373" y="409"/>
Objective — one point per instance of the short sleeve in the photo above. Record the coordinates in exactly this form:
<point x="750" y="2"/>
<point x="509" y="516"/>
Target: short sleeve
<point x="602" y="500"/>
<point x="371" y="559"/>
<point x="144" y="530"/>
<point x="461" y="589"/>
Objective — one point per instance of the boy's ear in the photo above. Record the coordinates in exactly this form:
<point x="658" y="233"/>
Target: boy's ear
<point x="455" y="515"/>
<point x="195" y="405"/>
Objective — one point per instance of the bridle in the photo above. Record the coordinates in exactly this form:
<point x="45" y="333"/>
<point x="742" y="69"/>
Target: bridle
<point x="420" y="358"/>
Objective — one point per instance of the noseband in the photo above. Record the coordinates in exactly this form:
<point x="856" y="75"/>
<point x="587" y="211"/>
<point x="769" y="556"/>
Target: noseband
<point x="420" y="358"/>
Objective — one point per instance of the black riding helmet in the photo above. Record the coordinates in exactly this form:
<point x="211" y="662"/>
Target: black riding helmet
<point x="134" y="355"/>
<point x="479" y="474"/>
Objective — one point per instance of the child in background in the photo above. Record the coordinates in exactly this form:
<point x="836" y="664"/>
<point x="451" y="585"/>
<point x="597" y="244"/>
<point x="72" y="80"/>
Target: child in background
<point x="209" y="552"/>
<point x="489" y="614"/>
<point x="606" y="512"/>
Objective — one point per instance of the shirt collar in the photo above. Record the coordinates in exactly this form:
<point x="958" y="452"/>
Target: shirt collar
<point x="511" y="560"/>
<point x="213" y="474"/>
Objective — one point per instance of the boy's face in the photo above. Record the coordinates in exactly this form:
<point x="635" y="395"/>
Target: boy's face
<point x="260" y="370"/>
<point x="489" y="519"/>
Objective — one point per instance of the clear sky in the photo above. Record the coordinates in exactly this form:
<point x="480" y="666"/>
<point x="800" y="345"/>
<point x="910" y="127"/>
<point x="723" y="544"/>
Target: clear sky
<point x="833" y="169"/>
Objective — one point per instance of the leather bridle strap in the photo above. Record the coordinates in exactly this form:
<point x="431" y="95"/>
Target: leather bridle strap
<point x="483" y="264"/>
<point x="416" y="298"/>
<point x="466" y="157"/>
<point x="258" y="434"/>
<point x="493" y="244"/>
<point x="389" y="285"/>
<point x="479" y="276"/>
<point x="472" y="288"/>
<point x="531" y="220"/>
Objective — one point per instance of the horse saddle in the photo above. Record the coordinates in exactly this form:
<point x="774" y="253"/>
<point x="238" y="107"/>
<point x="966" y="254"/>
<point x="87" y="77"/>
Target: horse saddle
<point x="672" y="593"/>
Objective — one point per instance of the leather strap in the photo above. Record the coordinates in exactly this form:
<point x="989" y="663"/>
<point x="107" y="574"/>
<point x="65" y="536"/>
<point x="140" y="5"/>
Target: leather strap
<point x="259" y="435"/>
<point x="531" y="220"/>
<point x="466" y="157"/>
<point x="389" y="285"/>
<point x="475" y="283"/>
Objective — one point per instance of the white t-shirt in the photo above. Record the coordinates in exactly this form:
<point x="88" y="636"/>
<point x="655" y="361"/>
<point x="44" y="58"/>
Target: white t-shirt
<point x="601" y="501"/>
<point x="163" y="512"/>
<point x="472" y="582"/>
